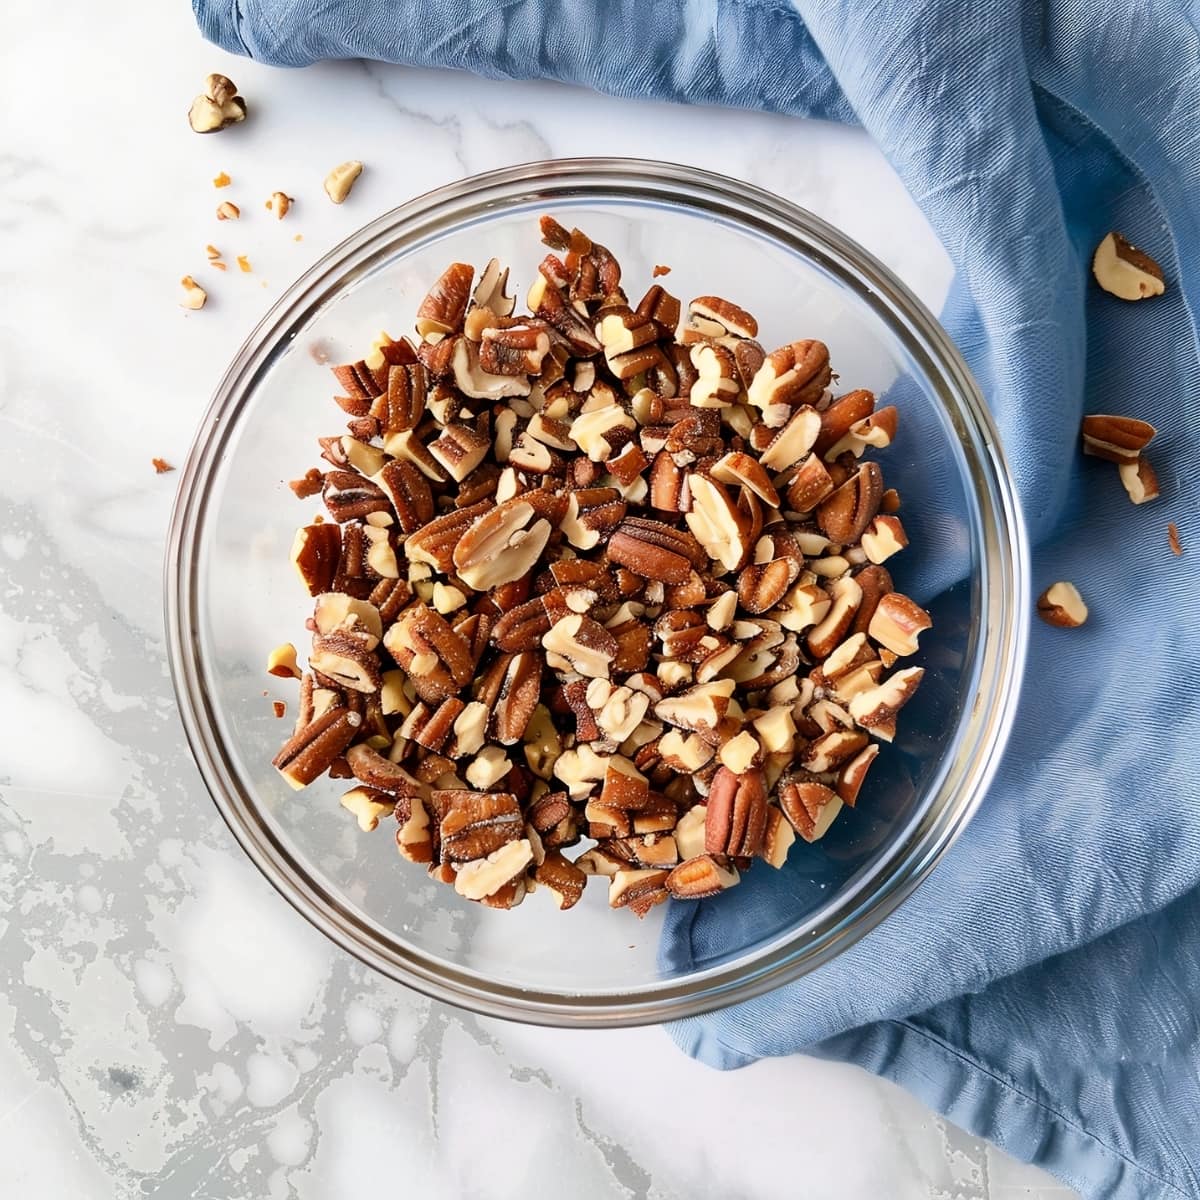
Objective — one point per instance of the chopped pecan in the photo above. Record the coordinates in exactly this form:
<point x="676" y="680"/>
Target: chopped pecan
<point x="699" y="877"/>
<point x="435" y="542"/>
<point x="897" y="623"/>
<point x="810" y="806"/>
<point x="838" y="419"/>
<point x="719" y="525"/>
<point x="475" y="824"/>
<point x="437" y="659"/>
<point x="577" y="643"/>
<point x="637" y="889"/>
<point x="367" y="806"/>
<point x="849" y="510"/>
<point x="591" y="514"/>
<point x="486" y="876"/>
<point x="716" y="317"/>
<point x="876" y="708"/>
<point x="511" y="689"/>
<point x="316" y="555"/>
<point x="795" y="375"/>
<point x="348" y="660"/>
<point x="561" y="878"/>
<point x="501" y="544"/>
<point x="443" y="309"/>
<point x="308" y="753"/>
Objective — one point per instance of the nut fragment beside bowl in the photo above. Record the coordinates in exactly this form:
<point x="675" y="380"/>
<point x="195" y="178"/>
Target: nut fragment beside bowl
<point x="218" y="107"/>
<point x="341" y="180"/>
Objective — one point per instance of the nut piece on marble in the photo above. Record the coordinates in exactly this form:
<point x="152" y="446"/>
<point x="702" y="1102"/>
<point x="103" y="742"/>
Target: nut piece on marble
<point x="278" y="205"/>
<point x="1124" y="271"/>
<point x="194" y="296"/>
<point x="228" y="211"/>
<point x="341" y="179"/>
<point x="218" y="107"/>
<point x="1061" y="605"/>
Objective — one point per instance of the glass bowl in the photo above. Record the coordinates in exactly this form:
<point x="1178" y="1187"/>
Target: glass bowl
<point x="231" y="594"/>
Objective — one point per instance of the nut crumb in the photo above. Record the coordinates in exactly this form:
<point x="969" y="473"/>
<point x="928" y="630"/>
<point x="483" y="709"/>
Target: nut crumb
<point x="222" y="180"/>
<point x="308" y="485"/>
<point x="161" y="466"/>
<point x="244" y="263"/>
<point x="660" y="270"/>
<point x="227" y="210"/>
<point x="298" y="238"/>
<point x="1173" y="539"/>
<point x="280" y="708"/>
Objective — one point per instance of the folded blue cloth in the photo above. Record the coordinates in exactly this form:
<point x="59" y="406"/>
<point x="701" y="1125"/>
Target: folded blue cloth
<point x="1040" y="988"/>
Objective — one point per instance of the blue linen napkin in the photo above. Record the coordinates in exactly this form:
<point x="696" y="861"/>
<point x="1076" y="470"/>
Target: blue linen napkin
<point x="1040" y="988"/>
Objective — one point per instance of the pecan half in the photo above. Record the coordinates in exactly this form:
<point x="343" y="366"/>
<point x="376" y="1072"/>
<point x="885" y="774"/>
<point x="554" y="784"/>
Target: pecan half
<point x="1117" y="439"/>
<point x="655" y="550"/>
<point x="737" y="813"/>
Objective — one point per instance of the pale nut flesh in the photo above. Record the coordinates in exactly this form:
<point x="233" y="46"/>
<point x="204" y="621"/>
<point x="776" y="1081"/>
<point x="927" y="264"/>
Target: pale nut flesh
<point x="340" y="181"/>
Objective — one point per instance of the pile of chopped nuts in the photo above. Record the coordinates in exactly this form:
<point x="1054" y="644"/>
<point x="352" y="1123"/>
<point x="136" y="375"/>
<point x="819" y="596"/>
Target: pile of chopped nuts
<point x="591" y="576"/>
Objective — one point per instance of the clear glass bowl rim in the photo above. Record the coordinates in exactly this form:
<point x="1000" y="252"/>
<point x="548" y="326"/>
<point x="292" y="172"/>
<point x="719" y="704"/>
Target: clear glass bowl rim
<point x="1004" y="555"/>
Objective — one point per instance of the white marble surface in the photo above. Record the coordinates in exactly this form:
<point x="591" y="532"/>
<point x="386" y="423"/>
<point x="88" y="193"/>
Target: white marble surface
<point x="168" y="1026"/>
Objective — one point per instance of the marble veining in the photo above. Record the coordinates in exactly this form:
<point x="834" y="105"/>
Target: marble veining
<point x="168" y="1026"/>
